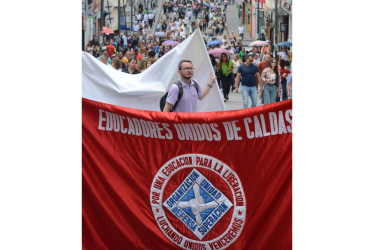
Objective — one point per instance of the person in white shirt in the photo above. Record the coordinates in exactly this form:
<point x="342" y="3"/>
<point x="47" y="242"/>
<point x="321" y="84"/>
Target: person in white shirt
<point x="189" y="14"/>
<point x="139" y="17"/>
<point x="174" y="35"/>
<point x="151" y="16"/>
<point x="177" y="23"/>
<point x="175" y="10"/>
<point x="232" y="49"/>
<point x="256" y="60"/>
<point x="172" y="28"/>
<point x="210" y="15"/>
<point x="146" y="30"/>
<point x="224" y="45"/>
<point x="145" y="18"/>
<point x="284" y="54"/>
<point x="241" y="31"/>
<point x="124" y="38"/>
<point x="182" y="26"/>
<point x="182" y="32"/>
<point x="136" y="27"/>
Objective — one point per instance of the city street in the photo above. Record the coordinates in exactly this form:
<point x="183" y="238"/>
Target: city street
<point x="233" y="22"/>
<point x="235" y="101"/>
<point x="135" y="43"/>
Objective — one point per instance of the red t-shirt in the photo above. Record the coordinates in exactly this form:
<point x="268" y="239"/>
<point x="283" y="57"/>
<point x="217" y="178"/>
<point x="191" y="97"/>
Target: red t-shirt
<point x="282" y="71"/>
<point x="261" y="66"/>
<point x="110" y="49"/>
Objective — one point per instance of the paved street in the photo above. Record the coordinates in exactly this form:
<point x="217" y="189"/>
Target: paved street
<point x="235" y="101"/>
<point x="233" y="22"/>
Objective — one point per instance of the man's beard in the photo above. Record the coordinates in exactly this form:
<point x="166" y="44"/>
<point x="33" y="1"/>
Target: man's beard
<point x="187" y="77"/>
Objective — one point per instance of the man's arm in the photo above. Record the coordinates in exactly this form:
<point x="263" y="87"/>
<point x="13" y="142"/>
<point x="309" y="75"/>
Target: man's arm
<point x="208" y="86"/>
<point x="259" y="80"/>
<point x="237" y="80"/>
<point x="167" y="107"/>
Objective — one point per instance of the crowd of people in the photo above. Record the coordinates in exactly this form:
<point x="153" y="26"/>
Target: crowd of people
<point x="262" y="72"/>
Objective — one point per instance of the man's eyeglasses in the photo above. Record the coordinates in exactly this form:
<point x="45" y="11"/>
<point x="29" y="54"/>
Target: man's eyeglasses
<point x="250" y="60"/>
<point x="188" y="69"/>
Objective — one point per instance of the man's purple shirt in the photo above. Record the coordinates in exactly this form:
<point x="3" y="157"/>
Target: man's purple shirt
<point x="188" y="101"/>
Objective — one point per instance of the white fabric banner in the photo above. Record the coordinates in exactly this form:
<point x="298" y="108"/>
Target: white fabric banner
<point x="143" y="91"/>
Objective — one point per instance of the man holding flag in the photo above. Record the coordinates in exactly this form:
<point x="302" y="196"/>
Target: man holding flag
<point x="191" y="93"/>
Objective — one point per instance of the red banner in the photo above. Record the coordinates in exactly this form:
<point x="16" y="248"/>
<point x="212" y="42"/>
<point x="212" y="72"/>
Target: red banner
<point x="212" y="180"/>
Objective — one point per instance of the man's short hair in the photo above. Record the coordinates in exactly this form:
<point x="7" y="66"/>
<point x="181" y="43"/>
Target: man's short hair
<point x="180" y="63"/>
<point x="152" y="53"/>
<point x="132" y="58"/>
<point x="105" y="55"/>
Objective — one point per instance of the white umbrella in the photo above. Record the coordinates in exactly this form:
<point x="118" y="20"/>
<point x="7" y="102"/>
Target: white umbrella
<point x="258" y="43"/>
<point x="160" y="34"/>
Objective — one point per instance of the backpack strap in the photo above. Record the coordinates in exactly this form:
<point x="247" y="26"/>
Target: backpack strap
<point x="180" y="94"/>
<point x="195" y="85"/>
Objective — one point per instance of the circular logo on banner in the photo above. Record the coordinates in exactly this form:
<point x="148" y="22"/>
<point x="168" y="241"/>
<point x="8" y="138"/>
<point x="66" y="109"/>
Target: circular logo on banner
<point x="198" y="202"/>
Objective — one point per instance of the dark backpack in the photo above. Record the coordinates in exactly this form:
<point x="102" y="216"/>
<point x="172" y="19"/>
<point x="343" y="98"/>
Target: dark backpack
<point x="180" y="94"/>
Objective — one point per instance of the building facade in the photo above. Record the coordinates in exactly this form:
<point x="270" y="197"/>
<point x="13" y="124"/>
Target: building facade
<point x="91" y="16"/>
<point x="278" y="20"/>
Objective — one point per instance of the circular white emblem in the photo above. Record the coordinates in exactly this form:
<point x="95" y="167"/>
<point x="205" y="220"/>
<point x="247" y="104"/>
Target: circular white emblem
<point x="203" y="198"/>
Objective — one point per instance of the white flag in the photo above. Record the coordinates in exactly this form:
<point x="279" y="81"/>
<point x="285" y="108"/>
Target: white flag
<point x="143" y="91"/>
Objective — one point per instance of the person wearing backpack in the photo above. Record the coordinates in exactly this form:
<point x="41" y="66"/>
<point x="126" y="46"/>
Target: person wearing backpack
<point x="183" y="95"/>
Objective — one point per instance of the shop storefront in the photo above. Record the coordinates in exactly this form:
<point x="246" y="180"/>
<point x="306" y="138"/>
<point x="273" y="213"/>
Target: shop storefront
<point x="285" y="20"/>
<point x="256" y="13"/>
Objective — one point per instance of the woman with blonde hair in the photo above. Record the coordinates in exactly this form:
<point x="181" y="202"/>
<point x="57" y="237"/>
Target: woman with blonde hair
<point x="256" y="60"/>
<point x="237" y="62"/>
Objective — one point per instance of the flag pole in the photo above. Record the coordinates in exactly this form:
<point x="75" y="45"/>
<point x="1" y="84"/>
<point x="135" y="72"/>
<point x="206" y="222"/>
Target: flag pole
<point x="101" y="21"/>
<point x="119" y="23"/>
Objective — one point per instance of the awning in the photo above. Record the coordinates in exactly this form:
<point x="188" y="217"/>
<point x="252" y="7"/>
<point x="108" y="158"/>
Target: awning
<point x="282" y="11"/>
